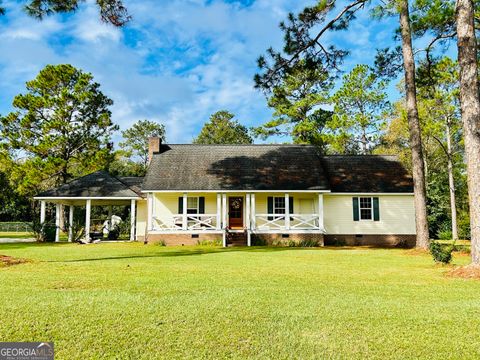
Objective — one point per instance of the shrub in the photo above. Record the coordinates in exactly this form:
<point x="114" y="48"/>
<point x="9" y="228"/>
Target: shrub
<point x="445" y="234"/>
<point x="214" y="242"/>
<point x="441" y="253"/>
<point x="258" y="241"/>
<point x="43" y="232"/>
<point x="303" y="243"/>
<point x="114" y="234"/>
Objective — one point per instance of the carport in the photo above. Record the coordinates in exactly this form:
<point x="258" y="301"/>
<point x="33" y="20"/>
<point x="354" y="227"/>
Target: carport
<point x="96" y="189"/>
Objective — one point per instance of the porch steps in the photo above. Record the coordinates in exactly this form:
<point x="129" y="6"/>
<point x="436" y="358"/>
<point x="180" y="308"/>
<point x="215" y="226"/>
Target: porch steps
<point x="237" y="239"/>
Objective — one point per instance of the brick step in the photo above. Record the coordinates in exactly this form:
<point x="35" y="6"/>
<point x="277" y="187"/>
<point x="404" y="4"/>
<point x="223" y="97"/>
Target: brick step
<point x="237" y="239"/>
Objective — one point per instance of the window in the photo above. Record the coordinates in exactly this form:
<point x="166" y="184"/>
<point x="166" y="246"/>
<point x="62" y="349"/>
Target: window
<point x="365" y="208"/>
<point x="279" y="205"/>
<point x="192" y="205"/>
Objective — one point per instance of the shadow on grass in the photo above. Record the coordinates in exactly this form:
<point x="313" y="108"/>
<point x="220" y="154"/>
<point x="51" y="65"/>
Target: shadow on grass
<point x="188" y="251"/>
<point x="165" y="252"/>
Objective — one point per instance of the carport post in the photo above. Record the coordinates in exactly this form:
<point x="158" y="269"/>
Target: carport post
<point x="110" y="213"/>
<point x="70" y="223"/>
<point x="88" y="209"/>
<point x="132" y="220"/>
<point x="58" y="208"/>
<point x="42" y="212"/>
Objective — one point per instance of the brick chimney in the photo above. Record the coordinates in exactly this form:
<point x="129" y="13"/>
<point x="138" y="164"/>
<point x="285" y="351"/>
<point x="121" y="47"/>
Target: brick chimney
<point x="154" y="144"/>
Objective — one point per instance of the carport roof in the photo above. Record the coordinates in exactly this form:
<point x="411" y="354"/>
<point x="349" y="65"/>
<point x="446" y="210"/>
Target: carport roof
<point x="99" y="185"/>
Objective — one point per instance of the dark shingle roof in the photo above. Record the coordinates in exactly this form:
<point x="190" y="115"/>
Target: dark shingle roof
<point x="98" y="184"/>
<point x="236" y="167"/>
<point x="247" y="167"/>
<point x="367" y="173"/>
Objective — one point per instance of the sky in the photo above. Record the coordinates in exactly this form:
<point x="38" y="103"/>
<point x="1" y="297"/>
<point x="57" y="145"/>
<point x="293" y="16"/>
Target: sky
<point x="176" y="62"/>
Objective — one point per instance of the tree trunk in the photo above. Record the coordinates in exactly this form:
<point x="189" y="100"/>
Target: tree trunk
<point x="414" y="128"/>
<point x="470" y="106"/>
<point x="451" y="184"/>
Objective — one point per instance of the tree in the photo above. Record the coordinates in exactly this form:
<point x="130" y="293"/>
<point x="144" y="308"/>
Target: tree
<point x="303" y="42"/>
<point x="442" y="145"/>
<point x="135" y="144"/>
<point x="61" y="128"/>
<point x="111" y="11"/>
<point x="418" y="168"/>
<point x="439" y="92"/>
<point x="222" y="129"/>
<point x="359" y="112"/>
<point x="297" y="101"/>
<point x="470" y="106"/>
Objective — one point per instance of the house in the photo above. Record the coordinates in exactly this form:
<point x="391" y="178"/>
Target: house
<point x="257" y="194"/>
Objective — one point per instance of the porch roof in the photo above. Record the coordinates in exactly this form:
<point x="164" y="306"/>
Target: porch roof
<point x="99" y="185"/>
<point x="236" y="167"/>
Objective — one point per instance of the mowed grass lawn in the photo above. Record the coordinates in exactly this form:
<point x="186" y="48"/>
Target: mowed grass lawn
<point x="131" y="301"/>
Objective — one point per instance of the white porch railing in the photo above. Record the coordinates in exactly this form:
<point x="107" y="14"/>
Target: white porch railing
<point x="270" y="221"/>
<point x="201" y="221"/>
<point x="304" y="221"/>
<point x="194" y="222"/>
<point x="277" y="222"/>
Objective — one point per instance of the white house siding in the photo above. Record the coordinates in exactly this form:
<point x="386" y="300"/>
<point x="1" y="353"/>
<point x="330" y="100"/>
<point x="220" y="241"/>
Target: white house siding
<point x="165" y="205"/>
<point x="397" y="216"/>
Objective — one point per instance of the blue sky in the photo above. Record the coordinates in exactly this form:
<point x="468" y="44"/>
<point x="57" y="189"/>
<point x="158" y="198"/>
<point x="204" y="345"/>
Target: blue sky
<point x="176" y="62"/>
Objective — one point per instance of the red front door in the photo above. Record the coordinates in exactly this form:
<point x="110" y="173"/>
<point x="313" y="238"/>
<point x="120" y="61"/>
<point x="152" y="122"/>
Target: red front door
<point x="235" y="212"/>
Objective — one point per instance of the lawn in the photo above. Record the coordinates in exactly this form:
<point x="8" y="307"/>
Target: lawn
<point x="15" y="235"/>
<point x="131" y="301"/>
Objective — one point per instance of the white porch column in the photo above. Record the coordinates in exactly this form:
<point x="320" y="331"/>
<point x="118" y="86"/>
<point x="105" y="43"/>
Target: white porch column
<point x="224" y="211"/>
<point x="219" y="211"/>
<point x="287" y="211"/>
<point x="70" y="223"/>
<point x="184" y="215"/>
<point x="149" y="211"/>
<point x="42" y="212"/>
<point x="58" y="208"/>
<point x="253" y="216"/>
<point x="133" y="204"/>
<point x="320" y="212"/>
<point x="247" y="212"/>
<point x="88" y="210"/>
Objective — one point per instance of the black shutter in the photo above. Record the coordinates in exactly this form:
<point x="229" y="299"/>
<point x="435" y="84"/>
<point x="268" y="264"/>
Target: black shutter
<point x="201" y="205"/>
<point x="355" y="209"/>
<point x="180" y="205"/>
<point x="376" y="209"/>
<point x="270" y="207"/>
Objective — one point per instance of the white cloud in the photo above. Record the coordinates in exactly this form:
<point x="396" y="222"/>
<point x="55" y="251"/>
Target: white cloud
<point x="176" y="62"/>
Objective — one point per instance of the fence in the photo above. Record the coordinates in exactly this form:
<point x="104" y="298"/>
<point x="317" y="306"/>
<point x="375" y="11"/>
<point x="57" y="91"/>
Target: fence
<point x="15" y="227"/>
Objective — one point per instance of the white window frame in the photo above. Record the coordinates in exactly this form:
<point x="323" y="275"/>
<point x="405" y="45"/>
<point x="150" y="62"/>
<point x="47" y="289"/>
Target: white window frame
<point x="360" y="208"/>
<point x="275" y="207"/>
<point x="197" y="209"/>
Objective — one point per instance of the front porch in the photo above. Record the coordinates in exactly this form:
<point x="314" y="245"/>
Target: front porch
<point x="234" y="212"/>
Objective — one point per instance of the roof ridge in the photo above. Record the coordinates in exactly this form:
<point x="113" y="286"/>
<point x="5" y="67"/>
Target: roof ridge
<point x="239" y="145"/>
<point x="359" y="155"/>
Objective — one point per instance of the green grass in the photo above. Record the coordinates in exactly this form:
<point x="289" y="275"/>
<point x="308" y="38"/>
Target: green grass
<point x="130" y="301"/>
<point x="15" y="235"/>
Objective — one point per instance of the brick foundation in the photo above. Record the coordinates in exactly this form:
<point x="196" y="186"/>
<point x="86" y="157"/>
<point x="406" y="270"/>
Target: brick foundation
<point x="183" y="239"/>
<point x="402" y="241"/>
<point x="298" y="239"/>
